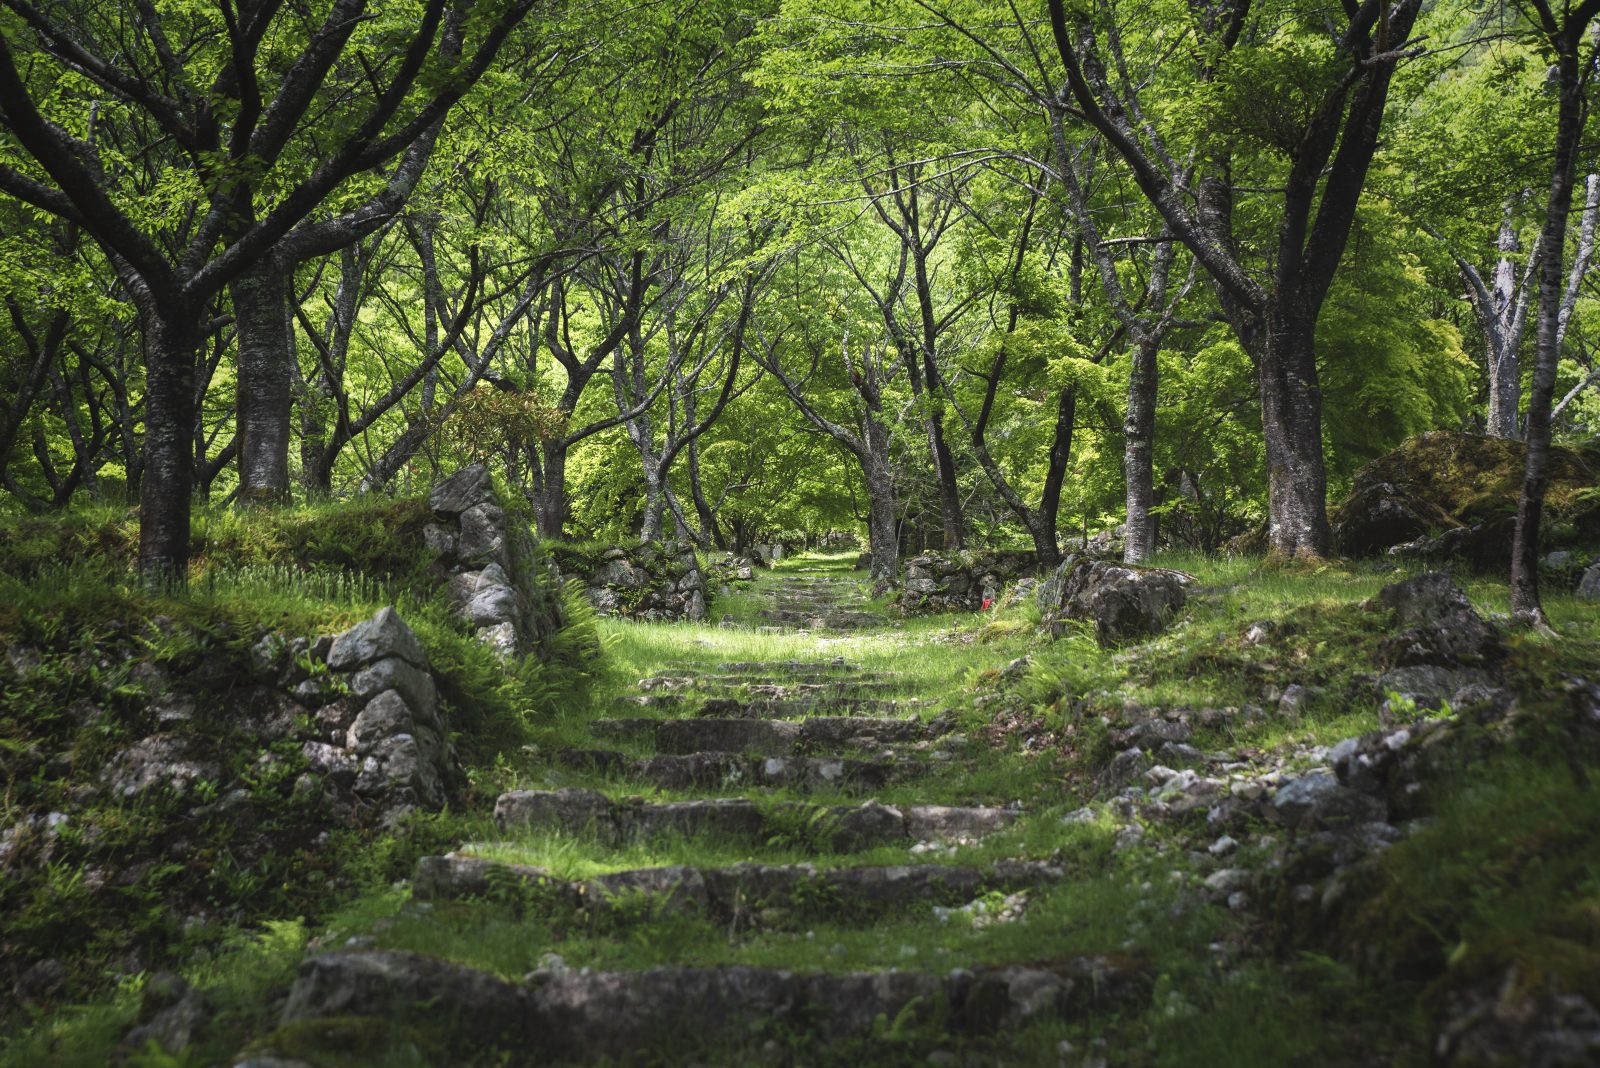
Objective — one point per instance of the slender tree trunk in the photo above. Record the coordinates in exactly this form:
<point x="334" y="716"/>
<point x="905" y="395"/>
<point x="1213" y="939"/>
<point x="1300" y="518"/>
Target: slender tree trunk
<point x="1525" y="604"/>
<point x="879" y="478"/>
<point x="1500" y="344"/>
<point x="264" y="394"/>
<point x="1056" y="471"/>
<point x="944" y="467"/>
<point x="167" y="486"/>
<point x="1139" y="432"/>
<point x="1291" y="407"/>
<point x="702" y="507"/>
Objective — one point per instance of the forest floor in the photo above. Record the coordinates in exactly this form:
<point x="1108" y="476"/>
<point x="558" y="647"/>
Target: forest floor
<point x="815" y="832"/>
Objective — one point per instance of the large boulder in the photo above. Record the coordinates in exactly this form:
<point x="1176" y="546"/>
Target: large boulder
<point x="1436" y="624"/>
<point x="1446" y="495"/>
<point x="1124" y="601"/>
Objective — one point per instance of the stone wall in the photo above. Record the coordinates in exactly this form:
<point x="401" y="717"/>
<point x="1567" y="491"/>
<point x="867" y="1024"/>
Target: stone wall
<point x="203" y="746"/>
<point x="960" y="581"/>
<point x="658" y="582"/>
<point x="492" y="575"/>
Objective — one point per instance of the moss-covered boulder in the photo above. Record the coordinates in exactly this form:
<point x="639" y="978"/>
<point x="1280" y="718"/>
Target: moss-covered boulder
<point x="1446" y="495"/>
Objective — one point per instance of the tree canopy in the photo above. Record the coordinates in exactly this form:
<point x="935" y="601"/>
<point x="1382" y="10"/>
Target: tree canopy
<point x="932" y="273"/>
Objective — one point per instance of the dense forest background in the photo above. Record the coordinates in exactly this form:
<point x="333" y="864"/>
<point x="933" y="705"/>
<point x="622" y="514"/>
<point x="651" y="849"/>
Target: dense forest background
<point x="948" y="273"/>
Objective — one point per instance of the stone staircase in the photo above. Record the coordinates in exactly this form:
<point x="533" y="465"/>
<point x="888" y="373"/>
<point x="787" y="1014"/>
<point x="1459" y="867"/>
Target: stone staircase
<point x="820" y="602"/>
<point x="767" y="751"/>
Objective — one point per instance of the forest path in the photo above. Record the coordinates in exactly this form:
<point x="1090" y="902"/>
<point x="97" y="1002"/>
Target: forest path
<point x="774" y="844"/>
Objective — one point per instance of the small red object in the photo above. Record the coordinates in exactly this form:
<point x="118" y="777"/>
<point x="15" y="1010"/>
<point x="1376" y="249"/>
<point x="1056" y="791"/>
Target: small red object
<point x="987" y="601"/>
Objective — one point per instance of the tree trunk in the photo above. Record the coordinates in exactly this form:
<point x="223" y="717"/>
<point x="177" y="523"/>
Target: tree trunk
<point x="1525" y="604"/>
<point x="1056" y="472"/>
<point x="167" y="486"/>
<point x="881" y="532"/>
<point x="1139" y="432"/>
<point x="1500" y="343"/>
<point x="702" y="507"/>
<point x="551" y="505"/>
<point x="264" y="396"/>
<point x="655" y="507"/>
<point x="1291" y="408"/>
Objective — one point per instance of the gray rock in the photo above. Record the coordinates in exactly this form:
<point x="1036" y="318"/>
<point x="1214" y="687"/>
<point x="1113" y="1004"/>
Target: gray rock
<point x="1319" y="800"/>
<point x="947" y="822"/>
<point x="1227" y="881"/>
<point x="451" y="878"/>
<point x="467" y="488"/>
<point x="766" y="737"/>
<point x="1437" y="624"/>
<point x="439" y="540"/>
<point x="1124" y="602"/>
<point x="501" y="639"/>
<point x="173" y="1012"/>
<point x="397" y="764"/>
<point x="371" y="640"/>
<point x="161" y="760"/>
<point x="331" y="762"/>
<point x="475" y="1007"/>
<point x="1431" y="686"/>
<point x="571" y="810"/>
<point x="385" y="716"/>
<point x="730" y="817"/>
<point x="410" y="682"/>
<point x="1495" y="1023"/>
<point x="492" y="606"/>
<point x="1589" y="585"/>
<point x="483" y="535"/>
<point x="464" y="585"/>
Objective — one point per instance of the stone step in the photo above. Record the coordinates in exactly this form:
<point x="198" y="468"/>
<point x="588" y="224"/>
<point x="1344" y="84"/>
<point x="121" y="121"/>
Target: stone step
<point x="766" y="708"/>
<point x="655" y="700"/>
<point x="835" y="679"/>
<point x="718" y="770"/>
<point x="765" y="737"/>
<point x="836" y="828"/>
<point x="775" y="691"/>
<point x="742" y="667"/>
<point x="826" y="620"/>
<point x="763" y="894"/>
<point x="562" y="1015"/>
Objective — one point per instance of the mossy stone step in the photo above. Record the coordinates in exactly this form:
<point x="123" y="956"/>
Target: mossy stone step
<point x="581" y="1017"/>
<point x="768" y="708"/>
<point x="764" y="737"/>
<point x="717" y="769"/>
<point x="759" y="687"/>
<point x="825" y="620"/>
<point x="838" y="666"/>
<point x="837" y="828"/>
<point x="753" y="893"/>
